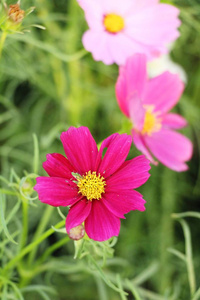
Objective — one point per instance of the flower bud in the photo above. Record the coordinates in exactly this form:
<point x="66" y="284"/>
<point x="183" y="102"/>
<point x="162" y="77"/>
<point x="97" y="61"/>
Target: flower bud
<point x="15" y="14"/>
<point x="77" y="233"/>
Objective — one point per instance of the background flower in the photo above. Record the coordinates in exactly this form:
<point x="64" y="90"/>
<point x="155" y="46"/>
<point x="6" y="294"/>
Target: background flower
<point x="98" y="190"/>
<point x="147" y="103"/>
<point x="118" y="31"/>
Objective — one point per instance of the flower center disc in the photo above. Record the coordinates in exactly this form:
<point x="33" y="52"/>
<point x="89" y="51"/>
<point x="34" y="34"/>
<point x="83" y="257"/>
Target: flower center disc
<point x="151" y="122"/>
<point x="113" y="23"/>
<point x="91" y="186"/>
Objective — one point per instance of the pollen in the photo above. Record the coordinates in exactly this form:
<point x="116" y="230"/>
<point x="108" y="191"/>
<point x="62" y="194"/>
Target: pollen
<point x="91" y="185"/>
<point x="152" y="123"/>
<point x="113" y="23"/>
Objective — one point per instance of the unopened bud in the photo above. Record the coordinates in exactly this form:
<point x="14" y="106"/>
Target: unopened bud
<point x="16" y="14"/>
<point x="77" y="232"/>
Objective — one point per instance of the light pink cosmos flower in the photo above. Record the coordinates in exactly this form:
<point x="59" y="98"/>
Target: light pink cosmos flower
<point x="118" y="29"/>
<point x="98" y="190"/>
<point x="147" y="104"/>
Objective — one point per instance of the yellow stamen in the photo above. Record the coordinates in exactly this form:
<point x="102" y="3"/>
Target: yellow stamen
<point x="151" y="121"/>
<point x="113" y="23"/>
<point x="91" y="186"/>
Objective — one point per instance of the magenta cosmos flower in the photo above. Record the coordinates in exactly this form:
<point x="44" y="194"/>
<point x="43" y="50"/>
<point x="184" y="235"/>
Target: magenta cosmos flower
<point x="147" y="104"/>
<point x="118" y="29"/>
<point x="98" y="190"/>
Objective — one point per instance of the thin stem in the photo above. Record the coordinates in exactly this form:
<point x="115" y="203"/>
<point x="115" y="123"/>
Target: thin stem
<point x="25" y="223"/>
<point x="2" y="41"/>
<point x="12" y="263"/>
<point x="41" y="227"/>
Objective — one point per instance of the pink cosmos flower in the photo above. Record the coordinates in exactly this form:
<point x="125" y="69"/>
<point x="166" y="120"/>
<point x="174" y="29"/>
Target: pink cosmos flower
<point x="98" y="190"/>
<point x="147" y="104"/>
<point x="117" y="29"/>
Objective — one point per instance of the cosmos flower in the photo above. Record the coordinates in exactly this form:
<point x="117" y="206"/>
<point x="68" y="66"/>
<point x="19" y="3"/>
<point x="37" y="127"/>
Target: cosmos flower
<point x="99" y="189"/>
<point x="118" y="30"/>
<point x="147" y="104"/>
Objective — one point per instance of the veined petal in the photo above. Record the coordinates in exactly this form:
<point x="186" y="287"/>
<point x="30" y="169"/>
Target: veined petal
<point x="163" y="92"/>
<point x="131" y="175"/>
<point x="56" y="191"/>
<point x="101" y="224"/>
<point x="173" y="121"/>
<point x="171" y="148"/>
<point x="115" y="155"/>
<point x="80" y="148"/>
<point x="78" y="213"/>
<point x="120" y="202"/>
<point x="57" y="165"/>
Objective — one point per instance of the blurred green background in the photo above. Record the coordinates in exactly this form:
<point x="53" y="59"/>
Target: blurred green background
<point x="47" y="83"/>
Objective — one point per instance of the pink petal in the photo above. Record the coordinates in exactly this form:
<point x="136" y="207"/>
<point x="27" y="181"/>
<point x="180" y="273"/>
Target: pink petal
<point x="131" y="175"/>
<point x="93" y="13"/>
<point x="57" y="165"/>
<point x="171" y="148"/>
<point x="116" y="7"/>
<point x="154" y="25"/>
<point x="131" y="80"/>
<point x="137" y="112"/>
<point x="56" y="191"/>
<point x="173" y="121"/>
<point x="141" y="146"/>
<point x="91" y="39"/>
<point x="78" y="213"/>
<point x="115" y="155"/>
<point x="80" y="148"/>
<point x="120" y="202"/>
<point x="105" y="144"/>
<point x="163" y="91"/>
<point x="101" y="224"/>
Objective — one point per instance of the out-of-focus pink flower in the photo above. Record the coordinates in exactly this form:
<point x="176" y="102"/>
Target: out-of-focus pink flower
<point x="147" y="104"/>
<point x="99" y="189"/>
<point x="117" y="29"/>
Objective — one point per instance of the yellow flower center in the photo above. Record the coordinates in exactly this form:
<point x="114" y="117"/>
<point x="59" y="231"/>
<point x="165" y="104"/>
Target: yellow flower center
<point x="91" y="186"/>
<point x="113" y="23"/>
<point x="151" y="121"/>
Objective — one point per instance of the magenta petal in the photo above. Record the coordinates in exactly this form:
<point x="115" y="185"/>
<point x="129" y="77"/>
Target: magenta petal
<point x="163" y="91"/>
<point x="101" y="224"/>
<point x="121" y="202"/>
<point x="137" y="112"/>
<point x="115" y="155"/>
<point x="131" y="175"/>
<point x="78" y="213"/>
<point x="80" y="148"/>
<point x="132" y="79"/>
<point x="140" y="145"/>
<point x="57" y="165"/>
<point x="173" y="121"/>
<point x="171" y="148"/>
<point x="56" y="191"/>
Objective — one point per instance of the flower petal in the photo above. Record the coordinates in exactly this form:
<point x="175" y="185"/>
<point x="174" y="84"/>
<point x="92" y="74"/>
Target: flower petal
<point x="137" y="112"/>
<point x="78" y="213"/>
<point x="140" y="145"/>
<point x="131" y="80"/>
<point x="93" y="13"/>
<point x="154" y="25"/>
<point x="173" y="121"/>
<point x="101" y="224"/>
<point x="163" y="92"/>
<point x="115" y="155"/>
<point x="80" y="148"/>
<point x="57" y="165"/>
<point x="120" y="202"/>
<point x="131" y="175"/>
<point x="171" y="148"/>
<point x="56" y="191"/>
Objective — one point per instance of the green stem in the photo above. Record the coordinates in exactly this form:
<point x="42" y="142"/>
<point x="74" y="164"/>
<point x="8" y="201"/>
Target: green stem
<point x="2" y="41"/>
<point x="41" y="227"/>
<point x="25" y="223"/>
<point x="12" y="263"/>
